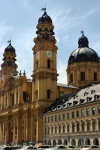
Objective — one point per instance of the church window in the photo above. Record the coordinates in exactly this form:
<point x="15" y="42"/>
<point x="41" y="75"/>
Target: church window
<point x="82" y="76"/>
<point x="71" y="77"/>
<point x="48" y="94"/>
<point x="48" y="63"/>
<point x="95" y="76"/>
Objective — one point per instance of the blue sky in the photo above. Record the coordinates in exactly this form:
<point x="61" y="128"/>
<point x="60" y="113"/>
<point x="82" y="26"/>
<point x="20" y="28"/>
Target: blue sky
<point x="19" y="18"/>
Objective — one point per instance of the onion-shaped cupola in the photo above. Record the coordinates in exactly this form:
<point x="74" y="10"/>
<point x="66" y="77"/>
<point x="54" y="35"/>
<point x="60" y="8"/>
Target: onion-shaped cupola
<point x="10" y="48"/>
<point x="45" y="17"/>
<point x="83" y="53"/>
<point x="45" y="29"/>
<point x="9" y="57"/>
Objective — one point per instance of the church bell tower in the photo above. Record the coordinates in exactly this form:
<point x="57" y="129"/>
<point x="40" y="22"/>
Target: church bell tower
<point x="45" y="69"/>
<point x="44" y="84"/>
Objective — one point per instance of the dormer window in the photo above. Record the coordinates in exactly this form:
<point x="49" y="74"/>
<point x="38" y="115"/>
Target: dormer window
<point x="93" y="91"/>
<point x="89" y="99"/>
<point x="82" y="100"/>
<point x="86" y="93"/>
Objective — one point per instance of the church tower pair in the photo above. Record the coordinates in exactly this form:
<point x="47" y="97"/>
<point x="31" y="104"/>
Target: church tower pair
<point x="25" y="102"/>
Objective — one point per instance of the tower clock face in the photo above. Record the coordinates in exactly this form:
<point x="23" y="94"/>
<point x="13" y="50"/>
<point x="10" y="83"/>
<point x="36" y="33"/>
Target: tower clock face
<point x="49" y="53"/>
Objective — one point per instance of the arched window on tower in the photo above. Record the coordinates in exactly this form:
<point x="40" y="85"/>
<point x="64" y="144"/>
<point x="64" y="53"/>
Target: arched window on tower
<point x="48" y="63"/>
<point x="48" y="94"/>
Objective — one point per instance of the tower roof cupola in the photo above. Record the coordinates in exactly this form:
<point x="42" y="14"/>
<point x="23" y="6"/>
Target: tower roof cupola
<point x="45" y="17"/>
<point x="83" y="41"/>
<point x="10" y="48"/>
<point x="9" y="56"/>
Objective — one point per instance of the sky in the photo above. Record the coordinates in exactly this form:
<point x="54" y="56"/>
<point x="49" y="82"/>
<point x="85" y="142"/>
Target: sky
<point x="19" y="18"/>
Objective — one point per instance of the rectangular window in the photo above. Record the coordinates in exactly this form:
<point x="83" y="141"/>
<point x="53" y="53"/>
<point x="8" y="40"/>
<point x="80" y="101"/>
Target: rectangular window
<point x="59" y="129"/>
<point x="99" y="125"/>
<point x="51" y="130"/>
<point x="93" y="111"/>
<point x="63" y="128"/>
<point x="63" y="116"/>
<point x="73" y="114"/>
<point x="55" y="117"/>
<point x="88" y="126"/>
<point x="82" y="112"/>
<point x="48" y="130"/>
<point x="67" y="115"/>
<point x="87" y="112"/>
<point x="82" y="76"/>
<point x="48" y="119"/>
<point x="73" y="128"/>
<point x="98" y="109"/>
<point x="93" y="126"/>
<point x="82" y="127"/>
<point x="51" y="118"/>
<point x="68" y="128"/>
<point x="78" y="129"/>
<point x="55" y="129"/>
<point x="59" y="117"/>
<point x="77" y="113"/>
<point x="45" y="120"/>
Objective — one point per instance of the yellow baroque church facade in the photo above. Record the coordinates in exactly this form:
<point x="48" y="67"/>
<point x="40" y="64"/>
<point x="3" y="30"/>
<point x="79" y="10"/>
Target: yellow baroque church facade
<point x="43" y="110"/>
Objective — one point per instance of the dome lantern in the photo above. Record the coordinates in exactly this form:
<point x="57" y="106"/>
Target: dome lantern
<point x="83" y="41"/>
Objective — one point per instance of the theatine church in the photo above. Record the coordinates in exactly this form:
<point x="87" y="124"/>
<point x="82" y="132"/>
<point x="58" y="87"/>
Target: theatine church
<point x="42" y="110"/>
